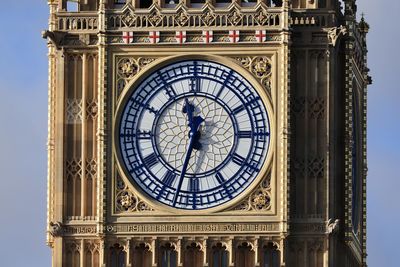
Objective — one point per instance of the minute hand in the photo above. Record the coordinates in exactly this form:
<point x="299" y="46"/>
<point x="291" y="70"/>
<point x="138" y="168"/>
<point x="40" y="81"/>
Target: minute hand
<point x="184" y="168"/>
<point x="194" y="124"/>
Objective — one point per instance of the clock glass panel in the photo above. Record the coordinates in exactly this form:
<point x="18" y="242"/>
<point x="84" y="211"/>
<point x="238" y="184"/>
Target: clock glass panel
<point x="193" y="135"/>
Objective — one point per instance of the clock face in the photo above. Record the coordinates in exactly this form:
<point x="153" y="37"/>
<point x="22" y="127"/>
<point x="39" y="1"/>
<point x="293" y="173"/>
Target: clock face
<point x="193" y="135"/>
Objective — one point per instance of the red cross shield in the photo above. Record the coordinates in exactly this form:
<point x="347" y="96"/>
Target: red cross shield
<point x="180" y="37"/>
<point x="127" y="37"/>
<point x="154" y="37"/>
<point x="234" y="36"/>
<point x="207" y="36"/>
<point x="261" y="36"/>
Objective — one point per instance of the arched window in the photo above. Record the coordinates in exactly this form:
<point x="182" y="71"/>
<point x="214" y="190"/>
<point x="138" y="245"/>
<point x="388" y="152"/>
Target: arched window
<point x="193" y="255"/>
<point x="218" y="256"/>
<point x="141" y="255"/>
<point x="244" y="256"/>
<point x="270" y="256"/>
<point x="167" y="256"/>
<point x="117" y="256"/>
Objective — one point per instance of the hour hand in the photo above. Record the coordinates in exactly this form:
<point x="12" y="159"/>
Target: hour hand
<point x="188" y="108"/>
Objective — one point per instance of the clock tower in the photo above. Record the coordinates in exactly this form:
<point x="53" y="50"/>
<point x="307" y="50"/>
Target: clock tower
<point x="211" y="133"/>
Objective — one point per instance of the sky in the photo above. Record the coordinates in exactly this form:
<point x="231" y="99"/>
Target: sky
<point x="23" y="133"/>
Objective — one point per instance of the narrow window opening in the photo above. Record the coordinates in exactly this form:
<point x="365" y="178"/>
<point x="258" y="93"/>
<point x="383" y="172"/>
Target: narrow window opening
<point x="117" y="256"/>
<point x="274" y="3"/>
<point x="168" y="257"/>
<point x="146" y="3"/>
<point x="197" y="3"/>
<point x="72" y="6"/>
<point x="219" y="256"/>
<point x="249" y="3"/>
<point x="271" y="256"/>
<point x="222" y="3"/>
<point x="119" y="3"/>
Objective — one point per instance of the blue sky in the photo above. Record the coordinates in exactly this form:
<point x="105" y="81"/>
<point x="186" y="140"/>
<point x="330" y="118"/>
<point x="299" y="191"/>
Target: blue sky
<point x="23" y="117"/>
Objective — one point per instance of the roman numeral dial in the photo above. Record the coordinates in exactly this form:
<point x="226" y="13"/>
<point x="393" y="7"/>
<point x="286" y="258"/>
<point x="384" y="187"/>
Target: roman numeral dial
<point x="193" y="135"/>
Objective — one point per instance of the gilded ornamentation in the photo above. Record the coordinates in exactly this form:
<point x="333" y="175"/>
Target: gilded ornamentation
<point x="261" y="67"/>
<point x="262" y="17"/>
<point x="143" y="62"/>
<point x="235" y="17"/>
<point x="155" y="18"/>
<point x="195" y="18"/>
<point x="126" y="200"/>
<point x="127" y="68"/>
<point x="181" y="18"/>
<point x="259" y="200"/>
<point x="129" y="18"/>
<point x="208" y="17"/>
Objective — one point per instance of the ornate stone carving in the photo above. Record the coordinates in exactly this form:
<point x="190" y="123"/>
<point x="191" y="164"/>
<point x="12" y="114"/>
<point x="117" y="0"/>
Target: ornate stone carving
<point x="55" y="229"/>
<point x="195" y="18"/>
<point x="129" y="17"/>
<point x="316" y="107"/>
<point x="127" y="68"/>
<point x="259" y="200"/>
<point x="261" y="17"/>
<point x="332" y="226"/>
<point x="208" y="17"/>
<point x="91" y="169"/>
<point x="299" y="106"/>
<point x="181" y="18"/>
<point x="235" y="17"/>
<point x="126" y="200"/>
<point x="91" y="109"/>
<point x="335" y="32"/>
<point x="74" y="111"/>
<point x="73" y="246"/>
<point x="261" y="67"/>
<point x="316" y="167"/>
<point x="155" y="18"/>
<point x="74" y="168"/>
<point x="92" y="247"/>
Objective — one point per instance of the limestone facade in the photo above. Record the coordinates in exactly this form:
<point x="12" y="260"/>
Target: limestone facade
<point x="308" y="207"/>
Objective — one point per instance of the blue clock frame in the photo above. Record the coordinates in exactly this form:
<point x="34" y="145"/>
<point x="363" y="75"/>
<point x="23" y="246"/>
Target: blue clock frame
<point x="188" y="84"/>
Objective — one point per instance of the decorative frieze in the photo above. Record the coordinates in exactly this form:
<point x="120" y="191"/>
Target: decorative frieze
<point x="207" y="16"/>
<point x="193" y="228"/>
